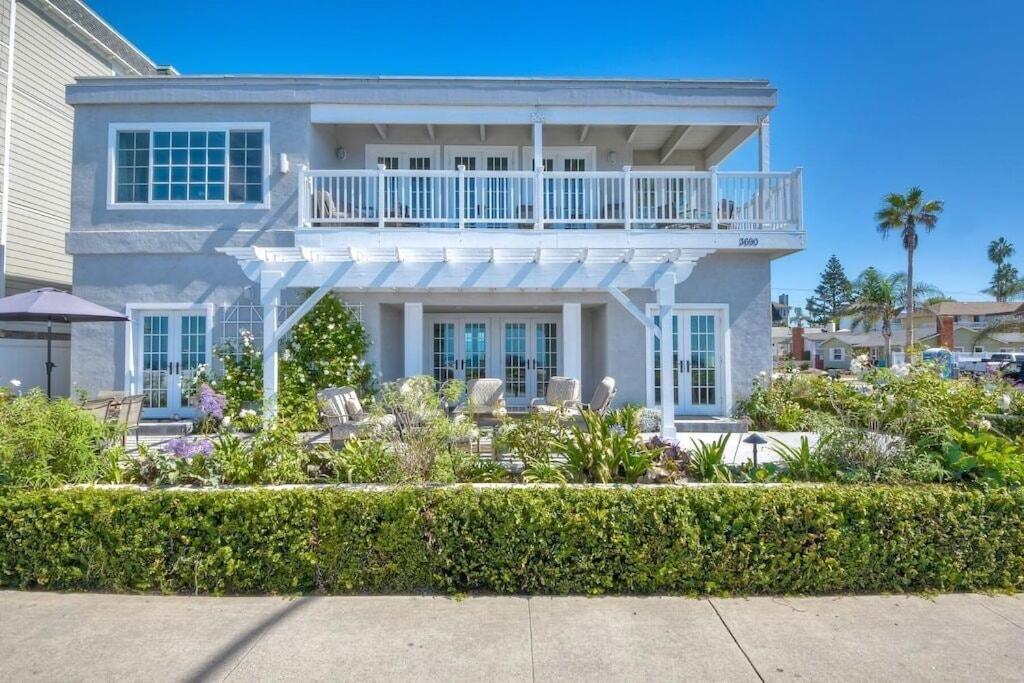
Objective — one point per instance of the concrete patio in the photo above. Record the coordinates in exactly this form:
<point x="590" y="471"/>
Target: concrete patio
<point x="50" y="636"/>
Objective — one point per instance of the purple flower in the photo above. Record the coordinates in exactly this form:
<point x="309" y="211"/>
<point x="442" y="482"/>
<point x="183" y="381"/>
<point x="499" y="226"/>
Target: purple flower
<point x="211" y="404"/>
<point x="186" y="449"/>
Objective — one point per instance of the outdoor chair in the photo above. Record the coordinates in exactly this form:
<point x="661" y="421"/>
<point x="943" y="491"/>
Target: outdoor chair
<point x="127" y="414"/>
<point x="485" y="398"/>
<point x="343" y="413"/>
<point x="99" y="408"/>
<point x="601" y="401"/>
<point x="563" y="394"/>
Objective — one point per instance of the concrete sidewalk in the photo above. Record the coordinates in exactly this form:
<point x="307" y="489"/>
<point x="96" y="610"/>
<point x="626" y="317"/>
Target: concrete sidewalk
<point x="50" y="636"/>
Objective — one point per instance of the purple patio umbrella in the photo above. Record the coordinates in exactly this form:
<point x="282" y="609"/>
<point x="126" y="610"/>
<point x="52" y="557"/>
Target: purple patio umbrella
<point x="48" y="305"/>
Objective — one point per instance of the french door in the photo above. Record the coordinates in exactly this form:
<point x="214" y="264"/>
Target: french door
<point x="530" y="353"/>
<point x="698" y="363"/>
<point x="524" y="351"/>
<point x="169" y="347"/>
<point x="487" y="198"/>
<point x="458" y="348"/>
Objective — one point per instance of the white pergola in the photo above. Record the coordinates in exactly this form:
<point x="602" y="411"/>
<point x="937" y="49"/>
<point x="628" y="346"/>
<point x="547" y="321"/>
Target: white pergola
<point x="455" y="269"/>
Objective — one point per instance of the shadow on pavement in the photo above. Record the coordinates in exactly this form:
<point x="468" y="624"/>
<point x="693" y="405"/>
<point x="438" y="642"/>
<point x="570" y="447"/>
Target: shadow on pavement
<point x="244" y="640"/>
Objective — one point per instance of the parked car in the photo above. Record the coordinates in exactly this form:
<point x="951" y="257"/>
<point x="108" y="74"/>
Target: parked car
<point x="1013" y="372"/>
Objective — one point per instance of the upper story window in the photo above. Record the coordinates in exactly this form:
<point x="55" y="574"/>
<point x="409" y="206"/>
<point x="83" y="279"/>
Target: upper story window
<point x="198" y="166"/>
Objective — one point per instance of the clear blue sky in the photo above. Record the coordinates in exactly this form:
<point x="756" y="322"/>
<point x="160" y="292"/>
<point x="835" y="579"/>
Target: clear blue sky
<point x="873" y="96"/>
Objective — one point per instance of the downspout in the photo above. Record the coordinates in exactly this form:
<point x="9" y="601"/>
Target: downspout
<point x="6" y="175"/>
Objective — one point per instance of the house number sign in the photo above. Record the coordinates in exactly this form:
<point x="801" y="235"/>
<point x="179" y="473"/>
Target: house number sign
<point x="748" y="241"/>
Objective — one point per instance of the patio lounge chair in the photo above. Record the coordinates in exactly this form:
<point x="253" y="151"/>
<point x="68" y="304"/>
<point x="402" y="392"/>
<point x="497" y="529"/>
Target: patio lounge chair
<point x="485" y="398"/>
<point x="601" y="402"/>
<point x="563" y="393"/>
<point x="343" y="413"/>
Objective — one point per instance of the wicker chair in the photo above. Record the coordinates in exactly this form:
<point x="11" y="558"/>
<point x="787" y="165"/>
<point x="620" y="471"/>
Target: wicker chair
<point x="485" y="398"/>
<point x="563" y="394"/>
<point x="343" y="414"/>
<point x="601" y="402"/>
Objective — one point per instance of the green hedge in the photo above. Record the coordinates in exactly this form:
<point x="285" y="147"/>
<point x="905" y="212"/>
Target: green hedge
<point x="707" y="540"/>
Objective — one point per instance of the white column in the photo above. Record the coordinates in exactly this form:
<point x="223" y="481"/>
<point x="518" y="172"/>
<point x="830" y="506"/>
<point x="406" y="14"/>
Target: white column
<point x="764" y="152"/>
<point x="572" y="340"/>
<point x="270" y="297"/>
<point x="413" y="339"/>
<point x="666" y="301"/>
<point x="538" y="171"/>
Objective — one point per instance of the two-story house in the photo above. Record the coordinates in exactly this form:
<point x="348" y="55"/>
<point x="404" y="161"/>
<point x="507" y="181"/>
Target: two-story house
<point x="44" y="46"/>
<point x="517" y="228"/>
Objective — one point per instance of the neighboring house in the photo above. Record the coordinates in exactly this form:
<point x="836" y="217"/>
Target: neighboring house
<point x="507" y="227"/>
<point x="836" y="349"/>
<point x="44" y="46"/>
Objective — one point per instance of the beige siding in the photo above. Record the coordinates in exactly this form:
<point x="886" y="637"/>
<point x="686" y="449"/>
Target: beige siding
<point x="5" y="23"/>
<point x="46" y="59"/>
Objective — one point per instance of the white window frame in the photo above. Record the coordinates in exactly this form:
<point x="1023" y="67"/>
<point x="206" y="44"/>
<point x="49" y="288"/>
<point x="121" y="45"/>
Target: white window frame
<point x="586" y="152"/>
<point x="480" y="152"/>
<point x="132" y="384"/>
<point x="724" y="320"/>
<point x="837" y="354"/>
<point x="979" y="349"/>
<point x="403" y="152"/>
<point x="210" y="126"/>
<point x="958" y="349"/>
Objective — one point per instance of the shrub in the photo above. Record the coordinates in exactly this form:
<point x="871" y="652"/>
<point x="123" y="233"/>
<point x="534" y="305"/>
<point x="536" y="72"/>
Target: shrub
<point x="606" y="448"/>
<point x="709" y="540"/>
<point x="707" y="461"/>
<point x="45" y="443"/>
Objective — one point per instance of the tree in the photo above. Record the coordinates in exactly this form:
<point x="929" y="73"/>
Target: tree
<point x="905" y="214"/>
<point x="832" y="295"/>
<point x="1005" y="282"/>
<point x="881" y="299"/>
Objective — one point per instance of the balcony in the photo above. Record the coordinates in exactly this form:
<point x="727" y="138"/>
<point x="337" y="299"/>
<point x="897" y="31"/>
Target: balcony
<point x="622" y="200"/>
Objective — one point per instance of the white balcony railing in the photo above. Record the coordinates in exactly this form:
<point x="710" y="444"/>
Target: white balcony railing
<point x="506" y="199"/>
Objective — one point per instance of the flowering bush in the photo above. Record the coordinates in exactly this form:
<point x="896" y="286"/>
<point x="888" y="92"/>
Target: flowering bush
<point x="242" y="380"/>
<point x="326" y="348"/>
<point x="185" y="449"/>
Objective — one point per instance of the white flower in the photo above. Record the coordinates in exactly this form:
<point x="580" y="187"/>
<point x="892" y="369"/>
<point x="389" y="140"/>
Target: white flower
<point x="246" y="412"/>
<point x="15" y="383"/>
<point x="226" y="421"/>
<point x="984" y="424"/>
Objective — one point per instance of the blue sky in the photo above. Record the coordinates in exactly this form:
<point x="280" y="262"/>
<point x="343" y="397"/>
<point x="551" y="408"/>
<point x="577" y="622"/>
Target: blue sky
<point x="873" y="96"/>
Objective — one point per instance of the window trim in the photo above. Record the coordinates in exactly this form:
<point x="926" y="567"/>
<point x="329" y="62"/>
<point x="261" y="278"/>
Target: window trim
<point x="373" y="150"/>
<point x="841" y="354"/>
<point x="163" y="204"/>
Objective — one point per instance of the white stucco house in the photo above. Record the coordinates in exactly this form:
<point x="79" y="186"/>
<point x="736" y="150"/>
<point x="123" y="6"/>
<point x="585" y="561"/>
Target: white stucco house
<point x="507" y="227"/>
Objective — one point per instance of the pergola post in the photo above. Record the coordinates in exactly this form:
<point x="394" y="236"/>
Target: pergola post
<point x="270" y="298"/>
<point x="572" y="336"/>
<point x="413" y="346"/>
<point x="666" y="289"/>
<point x="538" y="174"/>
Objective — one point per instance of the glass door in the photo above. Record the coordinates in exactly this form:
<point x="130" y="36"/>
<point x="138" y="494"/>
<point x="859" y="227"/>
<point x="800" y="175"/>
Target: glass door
<point x="443" y="351"/>
<point x="698" y="363"/>
<point x="515" y="356"/>
<point x="473" y="350"/>
<point x="170" y="348"/>
<point x="545" y="356"/>
<point x="530" y="357"/>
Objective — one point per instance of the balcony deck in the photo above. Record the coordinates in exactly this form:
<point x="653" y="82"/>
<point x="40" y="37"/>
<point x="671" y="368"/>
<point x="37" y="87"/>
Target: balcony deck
<point x="622" y="200"/>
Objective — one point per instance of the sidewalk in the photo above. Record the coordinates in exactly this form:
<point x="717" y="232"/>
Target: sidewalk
<point x="48" y="636"/>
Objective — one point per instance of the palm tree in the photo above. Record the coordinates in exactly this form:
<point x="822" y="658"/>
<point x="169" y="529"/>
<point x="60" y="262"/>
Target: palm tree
<point x="906" y="213"/>
<point x="1006" y="282"/>
<point x="999" y="250"/>
<point x="881" y="299"/>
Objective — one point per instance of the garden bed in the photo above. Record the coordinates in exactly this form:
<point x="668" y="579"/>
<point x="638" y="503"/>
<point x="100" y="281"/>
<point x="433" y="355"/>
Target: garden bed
<point x="713" y="539"/>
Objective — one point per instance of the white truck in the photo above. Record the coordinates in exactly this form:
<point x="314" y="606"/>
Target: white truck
<point x="990" y="365"/>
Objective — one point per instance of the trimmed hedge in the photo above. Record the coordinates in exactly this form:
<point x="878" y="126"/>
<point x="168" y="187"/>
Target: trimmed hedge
<point x="701" y="540"/>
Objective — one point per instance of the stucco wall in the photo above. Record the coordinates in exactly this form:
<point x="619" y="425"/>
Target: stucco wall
<point x="289" y="134"/>
<point x="614" y="342"/>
